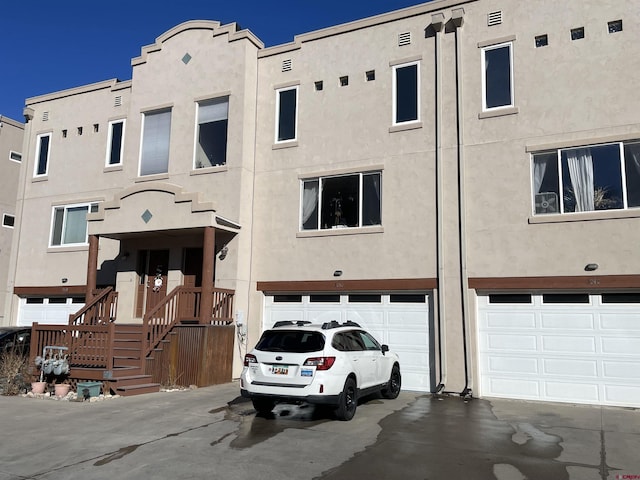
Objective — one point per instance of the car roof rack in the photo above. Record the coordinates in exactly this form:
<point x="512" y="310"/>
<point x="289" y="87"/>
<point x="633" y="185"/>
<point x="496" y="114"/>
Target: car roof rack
<point x="336" y="324"/>
<point x="288" y="323"/>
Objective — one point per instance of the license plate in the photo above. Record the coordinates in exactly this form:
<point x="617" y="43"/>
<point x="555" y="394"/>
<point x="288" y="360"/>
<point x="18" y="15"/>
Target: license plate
<point x="280" y="369"/>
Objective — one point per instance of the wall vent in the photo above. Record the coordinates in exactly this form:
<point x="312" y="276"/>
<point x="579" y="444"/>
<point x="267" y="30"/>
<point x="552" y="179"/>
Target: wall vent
<point x="45" y="116"/>
<point x="404" y="38"/>
<point x="118" y="101"/>
<point x="286" y="65"/>
<point x="494" y="18"/>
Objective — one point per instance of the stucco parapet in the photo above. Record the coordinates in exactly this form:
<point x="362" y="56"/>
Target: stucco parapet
<point x="229" y="29"/>
<point x="10" y="121"/>
<point x="423" y="9"/>
<point x="104" y="85"/>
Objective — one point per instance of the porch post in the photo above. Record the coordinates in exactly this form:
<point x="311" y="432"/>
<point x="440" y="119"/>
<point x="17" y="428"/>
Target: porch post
<point x="208" y="257"/>
<point x="92" y="267"/>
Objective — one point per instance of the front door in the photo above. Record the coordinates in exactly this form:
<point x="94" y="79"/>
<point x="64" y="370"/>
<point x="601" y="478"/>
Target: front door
<point x="152" y="279"/>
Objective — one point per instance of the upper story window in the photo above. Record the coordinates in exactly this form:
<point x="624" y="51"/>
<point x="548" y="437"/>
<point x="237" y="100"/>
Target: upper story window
<point x="286" y="114"/>
<point x="595" y="177"/>
<point x="15" y="156"/>
<point x="69" y="224"/>
<point x="156" y="133"/>
<point x="42" y="154"/>
<point x="115" y="142"/>
<point x="497" y="78"/>
<point x="211" y="141"/>
<point x="406" y="93"/>
<point x="341" y="201"/>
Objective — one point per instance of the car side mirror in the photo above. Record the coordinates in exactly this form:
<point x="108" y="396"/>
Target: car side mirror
<point x="385" y="348"/>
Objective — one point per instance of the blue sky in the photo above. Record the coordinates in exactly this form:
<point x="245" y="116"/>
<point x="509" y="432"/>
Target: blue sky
<point x="49" y="46"/>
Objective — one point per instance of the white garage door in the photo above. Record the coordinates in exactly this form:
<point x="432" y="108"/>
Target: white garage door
<point x="399" y="320"/>
<point x="49" y="311"/>
<point x="578" y="348"/>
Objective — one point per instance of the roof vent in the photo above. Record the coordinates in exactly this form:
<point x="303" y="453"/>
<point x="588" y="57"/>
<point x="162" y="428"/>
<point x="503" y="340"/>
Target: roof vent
<point x="494" y="18"/>
<point x="118" y="101"/>
<point x="286" y="65"/>
<point x="45" y="116"/>
<point x="404" y="39"/>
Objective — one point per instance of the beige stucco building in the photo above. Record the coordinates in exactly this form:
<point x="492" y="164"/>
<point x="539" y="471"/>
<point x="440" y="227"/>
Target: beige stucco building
<point x="11" y="138"/>
<point x="461" y="177"/>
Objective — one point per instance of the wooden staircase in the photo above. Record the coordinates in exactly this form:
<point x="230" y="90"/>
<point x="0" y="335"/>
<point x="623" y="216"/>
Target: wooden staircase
<point x="128" y="376"/>
<point x="121" y="355"/>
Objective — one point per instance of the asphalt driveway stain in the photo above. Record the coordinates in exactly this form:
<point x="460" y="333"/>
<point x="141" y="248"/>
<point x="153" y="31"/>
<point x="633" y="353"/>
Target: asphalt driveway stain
<point x="254" y="429"/>
<point x="437" y="438"/>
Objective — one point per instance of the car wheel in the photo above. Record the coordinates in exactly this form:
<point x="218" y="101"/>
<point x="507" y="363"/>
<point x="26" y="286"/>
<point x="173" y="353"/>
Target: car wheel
<point x="348" y="401"/>
<point x="392" y="389"/>
<point x="263" y="405"/>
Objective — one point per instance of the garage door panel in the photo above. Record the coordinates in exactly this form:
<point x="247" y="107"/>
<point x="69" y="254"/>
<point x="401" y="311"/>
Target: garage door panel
<point x="568" y="391"/>
<point x="620" y="321"/>
<point x="519" y="320"/>
<point x="562" y="321"/>
<point x="512" y="365"/>
<point x="568" y="344"/>
<point x="496" y="342"/>
<point x="325" y="315"/>
<point x="512" y="387"/>
<point x="569" y="367"/>
<point x="365" y="317"/>
<point x="621" y="346"/>
<point x="621" y="370"/>
<point x="623" y="395"/>
<point x="406" y="320"/>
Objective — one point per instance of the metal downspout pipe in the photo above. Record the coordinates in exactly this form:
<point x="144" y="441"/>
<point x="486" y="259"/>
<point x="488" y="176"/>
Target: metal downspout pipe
<point x="437" y="24"/>
<point x="457" y="19"/>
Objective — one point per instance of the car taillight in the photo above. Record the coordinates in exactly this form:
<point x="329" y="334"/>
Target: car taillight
<point x="249" y="359"/>
<point x="321" y="363"/>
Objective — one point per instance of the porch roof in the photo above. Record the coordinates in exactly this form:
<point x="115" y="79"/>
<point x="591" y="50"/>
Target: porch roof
<point x="156" y="208"/>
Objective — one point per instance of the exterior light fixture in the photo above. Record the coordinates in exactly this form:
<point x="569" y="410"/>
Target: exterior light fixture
<point x="337" y="273"/>
<point x="590" y="267"/>
<point x="223" y="252"/>
<point x="64" y="280"/>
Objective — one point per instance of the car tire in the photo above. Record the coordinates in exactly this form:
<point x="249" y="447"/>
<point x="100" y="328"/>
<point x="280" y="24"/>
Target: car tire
<point x="348" y="401"/>
<point x="263" y="405"/>
<point x="392" y="390"/>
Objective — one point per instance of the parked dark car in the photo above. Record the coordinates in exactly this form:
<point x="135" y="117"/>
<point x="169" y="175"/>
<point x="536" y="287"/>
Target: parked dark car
<point x="17" y="339"/>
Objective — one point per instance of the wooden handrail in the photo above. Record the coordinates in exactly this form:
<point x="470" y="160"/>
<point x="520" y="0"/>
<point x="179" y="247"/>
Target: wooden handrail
<point x="101" y="310"/>
<point x="183" y="304"/>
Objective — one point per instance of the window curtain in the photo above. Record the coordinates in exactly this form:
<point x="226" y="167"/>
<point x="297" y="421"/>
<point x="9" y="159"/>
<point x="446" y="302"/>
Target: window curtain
<point x="580" y="165"/>
<point x="539" y="169"/>
<point x="310" y="205"/>
<point x="155" y="143"/>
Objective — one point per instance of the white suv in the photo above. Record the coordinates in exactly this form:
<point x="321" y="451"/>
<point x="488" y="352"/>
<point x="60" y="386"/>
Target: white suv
<point x="331" y="364"/>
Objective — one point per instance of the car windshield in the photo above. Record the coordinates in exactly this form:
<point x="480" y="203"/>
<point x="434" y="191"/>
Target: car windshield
<point x="297" y="341"/>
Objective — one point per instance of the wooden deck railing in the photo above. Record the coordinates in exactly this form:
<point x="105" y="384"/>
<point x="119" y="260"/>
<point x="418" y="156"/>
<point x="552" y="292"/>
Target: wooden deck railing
<point x="101" y="310"/>
<point x="89" y="345"/>
<point x="183" y="304"/>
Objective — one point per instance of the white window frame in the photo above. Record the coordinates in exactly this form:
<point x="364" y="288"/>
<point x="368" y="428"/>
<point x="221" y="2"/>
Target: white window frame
<point x="13" y="152"/>
<point x="394" y="92"/>
<point x="66" y="208"/>
<point x="142" y="135"/>
<point x="38" y="148"/>
<point x="197" y="129"/>
<point x="483" y="76"/>
<point x="4" y="219"/>
<point x="110" y="146"/>
<point x="295" y="122"/>
<point x="557" y="152"/>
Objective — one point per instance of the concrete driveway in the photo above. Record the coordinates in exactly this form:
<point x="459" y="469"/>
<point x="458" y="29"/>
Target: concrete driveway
<point x="212" y="433"/>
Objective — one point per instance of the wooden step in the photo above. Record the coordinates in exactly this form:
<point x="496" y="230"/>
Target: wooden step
<point x="130" y="380"/>
<point x="139" y="389"/>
